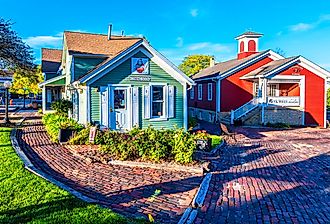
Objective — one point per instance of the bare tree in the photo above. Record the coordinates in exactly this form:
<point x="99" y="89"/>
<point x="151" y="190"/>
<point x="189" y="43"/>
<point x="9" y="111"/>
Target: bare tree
<point x="14" y="53"/>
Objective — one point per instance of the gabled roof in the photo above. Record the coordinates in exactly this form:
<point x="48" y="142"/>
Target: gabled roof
<point x="264" y="70"/>
<point x="223" y="67"/>
<point x="89" y="43"/>
<point x="50" y="59"/>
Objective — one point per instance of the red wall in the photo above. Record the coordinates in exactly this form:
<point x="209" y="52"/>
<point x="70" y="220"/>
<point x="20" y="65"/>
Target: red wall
<point x="204" y="103"/>
<point x="314" y="96"/>
<point x="290" y="89"/>
<point x="236" y="92"/>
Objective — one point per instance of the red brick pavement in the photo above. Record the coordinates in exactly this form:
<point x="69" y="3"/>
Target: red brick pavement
<point x="271" y="177"/>
<point x="125" y="190"/>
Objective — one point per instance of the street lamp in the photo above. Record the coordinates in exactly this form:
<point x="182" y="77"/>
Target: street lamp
<point x="24" y="97"/>
<point x="7" y="85"/>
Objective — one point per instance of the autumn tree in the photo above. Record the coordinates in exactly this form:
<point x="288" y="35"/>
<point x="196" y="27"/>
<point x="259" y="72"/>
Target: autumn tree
<point x="26" y="81"/>
<point x="192" y="64"/>
<point x="14" y="53"/>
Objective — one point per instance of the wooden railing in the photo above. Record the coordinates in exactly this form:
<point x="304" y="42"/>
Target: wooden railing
<point x="244" y="109"/>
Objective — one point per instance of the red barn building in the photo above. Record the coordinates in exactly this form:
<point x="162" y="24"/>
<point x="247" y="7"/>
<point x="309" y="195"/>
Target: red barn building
<point x="260" y="87"/>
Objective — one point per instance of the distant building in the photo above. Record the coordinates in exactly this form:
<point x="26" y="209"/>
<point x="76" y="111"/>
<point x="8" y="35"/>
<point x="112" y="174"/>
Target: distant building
<point x="260" y="87"/>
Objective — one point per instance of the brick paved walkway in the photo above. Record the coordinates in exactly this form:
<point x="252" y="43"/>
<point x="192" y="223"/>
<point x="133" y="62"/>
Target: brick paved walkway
<point x="125" y="190"/>
<point x="271" y="177"/>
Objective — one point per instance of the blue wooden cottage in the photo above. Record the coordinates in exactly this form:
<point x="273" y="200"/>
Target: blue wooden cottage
<point x="117" y="82"/>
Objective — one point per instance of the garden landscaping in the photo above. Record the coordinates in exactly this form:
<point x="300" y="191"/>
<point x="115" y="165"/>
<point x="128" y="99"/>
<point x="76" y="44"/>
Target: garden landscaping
<point x="26" y="198"/>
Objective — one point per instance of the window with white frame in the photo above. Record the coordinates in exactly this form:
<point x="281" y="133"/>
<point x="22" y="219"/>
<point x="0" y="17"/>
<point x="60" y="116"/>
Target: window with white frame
<point x="200" y="91"/>
<point x="157" y="104"/>
<point x="209" y="91"/>
<point x="272" y="90"/>
<point x="256" y="89"/>
<point x="192" y="93"/>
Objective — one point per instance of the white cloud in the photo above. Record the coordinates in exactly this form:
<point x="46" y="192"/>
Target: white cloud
<point x="179" y="42"/>
<point x="194" y="12"/>
<point x="301" y="27"/>
<point x="308" y="26"/>
<point x="42" y="41"/>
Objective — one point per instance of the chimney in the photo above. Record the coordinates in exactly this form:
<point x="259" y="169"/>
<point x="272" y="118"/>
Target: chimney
<point x="212" y="61"/>
<point x="122" y="33"/>
<point x="109" y="31"/>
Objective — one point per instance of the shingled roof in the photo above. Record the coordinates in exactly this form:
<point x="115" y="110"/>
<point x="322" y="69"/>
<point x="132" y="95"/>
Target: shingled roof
<point x="50" y="59"/>
<point x="89" y="43"/>
<point x="263" y="70"/>
<point x="223" y="67"/>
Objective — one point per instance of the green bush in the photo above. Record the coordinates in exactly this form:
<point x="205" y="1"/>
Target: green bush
<point x="81" y="137"/>
<point x="149" y="145"/>
<point x="216" y="140"/>
<point x="54" y="122"/>
<point x="62" y="106"/>
<point x="192" y="122"/>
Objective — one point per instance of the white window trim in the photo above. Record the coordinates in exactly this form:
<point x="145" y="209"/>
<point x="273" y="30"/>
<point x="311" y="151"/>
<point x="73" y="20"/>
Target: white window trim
<point x="192" y="93"/>
<point x="164" y="116"/>
<point x="209" y="91"/>
<point x="200" y="91"/>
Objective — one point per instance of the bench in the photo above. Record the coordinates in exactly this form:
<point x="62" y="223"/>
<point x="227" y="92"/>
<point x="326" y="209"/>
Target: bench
<point x="225" y="132"/>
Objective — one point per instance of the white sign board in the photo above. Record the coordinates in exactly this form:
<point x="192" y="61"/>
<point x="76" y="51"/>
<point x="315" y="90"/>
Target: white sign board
<point x="140" y="66"/>
<point x="288" y="101"/>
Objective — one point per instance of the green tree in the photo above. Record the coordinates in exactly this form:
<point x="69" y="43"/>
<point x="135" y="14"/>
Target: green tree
<point x="328" y="98"/>
<point x="192" y="64"/>
<point x="28" y="80"/>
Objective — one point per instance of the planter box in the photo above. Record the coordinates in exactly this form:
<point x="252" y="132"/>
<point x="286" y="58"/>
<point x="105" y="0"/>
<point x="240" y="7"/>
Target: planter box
<point x="204" y="145"/>
<point x="64" y="135"/>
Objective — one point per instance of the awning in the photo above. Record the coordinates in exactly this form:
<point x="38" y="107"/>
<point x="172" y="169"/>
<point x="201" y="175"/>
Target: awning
<point x="56" y="81"/>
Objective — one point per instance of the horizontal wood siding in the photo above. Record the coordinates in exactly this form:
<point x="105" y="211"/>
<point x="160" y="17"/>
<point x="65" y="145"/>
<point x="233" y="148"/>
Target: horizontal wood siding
<point x="120" y="75"/>
<point x="95" y="106"/>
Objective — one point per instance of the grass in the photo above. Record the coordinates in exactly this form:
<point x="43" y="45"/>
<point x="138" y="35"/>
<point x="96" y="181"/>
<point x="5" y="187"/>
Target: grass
<point x="26" y="198"/>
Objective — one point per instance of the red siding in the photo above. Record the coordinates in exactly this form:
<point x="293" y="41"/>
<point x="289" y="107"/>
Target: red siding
<point x="314" y="96"/>
<point x="289" y="89"/>
<point x="236" y="92"/>
<point x="204" y="103"/>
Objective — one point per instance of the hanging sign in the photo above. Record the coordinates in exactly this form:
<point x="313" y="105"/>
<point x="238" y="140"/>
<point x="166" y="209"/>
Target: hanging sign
<point x="140" y="78"/>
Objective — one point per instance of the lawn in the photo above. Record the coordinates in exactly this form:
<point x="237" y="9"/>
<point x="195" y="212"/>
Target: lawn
<point x="26" y="198"/>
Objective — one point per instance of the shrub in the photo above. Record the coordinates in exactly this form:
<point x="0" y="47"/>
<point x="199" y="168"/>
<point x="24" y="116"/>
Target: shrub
<point x="277" y="125"/>
<point x="54" y="122"/>
<point x="216" y="140"/>
<point x="62" y="106"/>
<point x="81" y="137"/>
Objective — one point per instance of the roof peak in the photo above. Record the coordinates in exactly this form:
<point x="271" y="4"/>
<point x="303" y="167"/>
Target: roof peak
<point x="249" y="34"/>
<point x="102" y="34"/>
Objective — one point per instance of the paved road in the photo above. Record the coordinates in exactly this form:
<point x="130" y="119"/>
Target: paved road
<point x="125" y="190"/>
<point x="271" y="177"/>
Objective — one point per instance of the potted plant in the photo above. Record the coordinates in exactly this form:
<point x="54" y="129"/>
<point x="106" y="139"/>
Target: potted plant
<point x="203" y="141"/>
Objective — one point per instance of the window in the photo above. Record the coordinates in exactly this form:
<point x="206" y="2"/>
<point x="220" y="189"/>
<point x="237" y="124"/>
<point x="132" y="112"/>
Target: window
<point x="200" y="91"/>
<point x="256" y="89"/>
<point x="241" y="46"/>
<point x="272" y="90"/>
<point x="157" y="93"/>
<point x="192" y="93"/>
<point x="251" y="45"/>
<point x="209" y="91"/>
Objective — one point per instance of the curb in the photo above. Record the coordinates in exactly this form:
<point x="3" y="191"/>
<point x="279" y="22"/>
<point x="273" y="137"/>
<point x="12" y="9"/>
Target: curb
<point x="190" y="213"/>
<point x="31" y="168"/>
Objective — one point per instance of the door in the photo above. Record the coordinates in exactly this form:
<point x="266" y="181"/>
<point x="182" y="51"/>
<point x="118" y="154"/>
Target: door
<point x="121" y="106"/>
<point x="104" y="106"/>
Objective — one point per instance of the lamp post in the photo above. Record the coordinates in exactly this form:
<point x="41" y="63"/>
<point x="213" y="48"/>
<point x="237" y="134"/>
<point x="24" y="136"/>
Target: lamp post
<point x="7" y="85"/>
<point x="24" y="89"/>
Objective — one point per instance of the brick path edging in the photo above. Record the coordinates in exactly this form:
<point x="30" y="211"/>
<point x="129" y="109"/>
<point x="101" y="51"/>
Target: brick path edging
<point x="31" y="168"/>
<point x="190" y="213"/>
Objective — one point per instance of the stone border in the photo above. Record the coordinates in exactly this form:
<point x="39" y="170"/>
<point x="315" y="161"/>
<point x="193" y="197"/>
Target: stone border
<point x="30" y="167"/>
<point x="160" y="166"/>
<point x="190" y="213"/>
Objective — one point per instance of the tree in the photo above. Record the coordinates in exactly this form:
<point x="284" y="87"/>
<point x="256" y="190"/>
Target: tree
<point x="26" y="81"/>
<point x="14" y="53"/>
<point x="192" y="64"/>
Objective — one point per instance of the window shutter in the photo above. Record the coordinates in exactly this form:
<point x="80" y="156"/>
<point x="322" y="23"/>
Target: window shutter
<point x="135" y="106"/>
<point x="146" y="101"/>
<point x="171" y="95"/>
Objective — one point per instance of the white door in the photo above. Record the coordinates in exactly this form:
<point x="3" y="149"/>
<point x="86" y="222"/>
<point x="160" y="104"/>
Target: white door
<point x="104" y="106"/>
<point x="121" y="107"/>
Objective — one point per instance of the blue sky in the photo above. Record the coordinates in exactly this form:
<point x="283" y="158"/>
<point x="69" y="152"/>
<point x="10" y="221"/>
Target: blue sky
<point x="180" y="28"/>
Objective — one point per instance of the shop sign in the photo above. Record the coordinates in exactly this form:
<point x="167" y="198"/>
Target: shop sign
<point x="140" y="78"/>
<point x="284" y="101"/>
